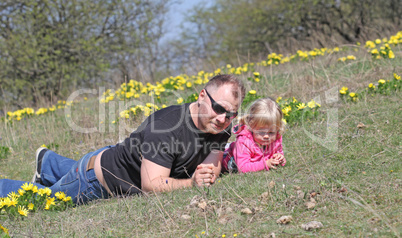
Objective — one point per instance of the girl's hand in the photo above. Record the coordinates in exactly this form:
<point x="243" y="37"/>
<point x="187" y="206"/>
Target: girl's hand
<point x="279" y="157"/>
<point x="272" y="162"/>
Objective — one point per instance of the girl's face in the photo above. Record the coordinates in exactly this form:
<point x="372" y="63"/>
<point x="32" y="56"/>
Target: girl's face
<point x="264" y="135"/>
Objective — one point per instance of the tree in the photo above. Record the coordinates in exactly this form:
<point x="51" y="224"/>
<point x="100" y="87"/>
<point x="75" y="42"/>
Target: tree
<point x="228" y="29"/>
<point x="49" y="47"/>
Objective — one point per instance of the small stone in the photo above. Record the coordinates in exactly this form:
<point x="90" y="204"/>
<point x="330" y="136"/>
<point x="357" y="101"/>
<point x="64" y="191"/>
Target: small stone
<point x="360" y="125"/>
<point x="310" y="205"/>
<point x="229" y="209"/>
<point x="271" y="184"/>
<point x="202" y="205"/>
<point x="246" y="211"/>
<point x="284" y="219"/>
<point x="300" y="194"/>
<point x="312" y="225"/>
<point x="264" y="196"/>
<point x="185" y="217"/>
<point x="342" y="190"/>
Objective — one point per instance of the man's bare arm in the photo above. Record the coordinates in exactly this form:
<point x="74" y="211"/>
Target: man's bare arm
<point x="156" y="178"/>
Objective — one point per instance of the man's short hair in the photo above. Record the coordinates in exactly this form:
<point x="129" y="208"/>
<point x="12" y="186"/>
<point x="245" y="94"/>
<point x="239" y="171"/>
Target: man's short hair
<point x="238" y="89"/>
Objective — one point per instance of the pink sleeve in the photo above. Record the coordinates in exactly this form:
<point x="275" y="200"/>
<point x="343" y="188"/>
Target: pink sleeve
<point x="245" y="160"/>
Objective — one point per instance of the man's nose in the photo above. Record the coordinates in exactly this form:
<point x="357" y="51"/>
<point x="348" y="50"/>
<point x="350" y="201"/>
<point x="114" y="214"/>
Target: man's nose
<point x="221" y="118"/>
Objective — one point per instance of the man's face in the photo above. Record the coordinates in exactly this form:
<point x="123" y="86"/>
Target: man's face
<point x="214" y="121"/>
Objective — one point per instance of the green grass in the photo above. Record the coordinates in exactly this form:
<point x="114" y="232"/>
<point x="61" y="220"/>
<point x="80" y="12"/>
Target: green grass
<point x="357" y="177"/>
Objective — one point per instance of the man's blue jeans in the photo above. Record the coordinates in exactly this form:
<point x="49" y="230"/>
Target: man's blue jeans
<point x="66" y="175"/>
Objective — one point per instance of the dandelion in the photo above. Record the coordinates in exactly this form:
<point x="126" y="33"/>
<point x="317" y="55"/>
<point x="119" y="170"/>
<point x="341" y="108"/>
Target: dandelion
<point x="391" y="54"/>
<point x="278" y="99"/>
<point x="5" y="230"/>
<point x="12" y="195"/>
<point x="311" y="104"/>
<point x="60" y="195"/>
<point x="49" y="202"/>
<point x="352" y="95"/>
<point x="286" y="110"/>
<point x="66" y="199"/>
<point x="397" y="77"/>
<point x="22" y="211"/>
<point x="180" y="100"/>
<point x="381" y="81"/>
<point x="30" y="206"/>
<point x="371" y="86"/>
<point x="301" y="106"/>
<point x="21" y="192"/>
<point x="256" y="74"/>
<point x="223" y="235"/>
<point x="378" y="41"/>
<point x="252" y="92"/>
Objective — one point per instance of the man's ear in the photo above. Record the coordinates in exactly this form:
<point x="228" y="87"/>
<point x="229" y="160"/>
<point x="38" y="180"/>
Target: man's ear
<point x="202" y="95"/>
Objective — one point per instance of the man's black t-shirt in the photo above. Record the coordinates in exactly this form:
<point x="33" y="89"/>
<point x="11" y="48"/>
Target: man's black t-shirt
<point x="168" y="138"/>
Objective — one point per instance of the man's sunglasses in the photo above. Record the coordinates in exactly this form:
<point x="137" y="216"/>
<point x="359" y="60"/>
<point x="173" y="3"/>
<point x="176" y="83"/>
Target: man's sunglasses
<point x="218" y="109"/>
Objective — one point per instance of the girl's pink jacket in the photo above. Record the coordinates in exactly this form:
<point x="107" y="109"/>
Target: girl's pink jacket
<point x="248" y="155"/>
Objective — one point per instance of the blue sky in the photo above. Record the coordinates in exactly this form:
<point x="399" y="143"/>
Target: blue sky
<point x="177" y="13"/>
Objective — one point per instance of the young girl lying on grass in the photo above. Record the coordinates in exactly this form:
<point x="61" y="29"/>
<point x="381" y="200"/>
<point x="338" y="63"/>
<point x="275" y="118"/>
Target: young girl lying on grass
<point x="258" y="144"/>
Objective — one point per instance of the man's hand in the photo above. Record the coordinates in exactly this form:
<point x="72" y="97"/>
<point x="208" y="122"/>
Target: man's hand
<point x="204" y="175"/>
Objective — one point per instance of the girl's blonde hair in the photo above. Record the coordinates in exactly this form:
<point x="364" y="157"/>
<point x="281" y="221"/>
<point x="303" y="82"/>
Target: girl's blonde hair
<point x="264" y="112"/>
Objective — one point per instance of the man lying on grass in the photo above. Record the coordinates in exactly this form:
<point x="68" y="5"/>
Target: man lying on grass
<point x="175" y="147"/>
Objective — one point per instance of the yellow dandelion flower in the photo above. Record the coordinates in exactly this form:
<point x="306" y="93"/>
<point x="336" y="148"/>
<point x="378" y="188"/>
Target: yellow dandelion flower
<point x="352" y="95"/>
<point x="397" y="77"/>
<point x="391" y="54"/>
<point x="256" y="74"/>
<point x="257" y="79"/>
<point x="311" y="104"/>
<point x="47" y="191"/>
<point x="278" y="99"/>
<point x="294" y="100"/>
<point x="31" y="206"/>
<point x="371" y="85"/>
<point x="301" y="106"/>
<point x="189" y="84"/>
<point x="60" y="195"/>
<point x="5" y="230"/>
<point x="180" y="100"/>
<point x="378" y="41"/>
<point x="22" y="211"/>
<point x="381" y="81"/>
<point x="252" y="92"/>
<point x="66" y="199"/>
<point x="27" y="186"/>
<point x="13" y="195"/>
<point x="21" y="192"/>
<point x="374" y="52"/>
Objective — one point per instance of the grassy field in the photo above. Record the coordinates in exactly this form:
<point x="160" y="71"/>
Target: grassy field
<point x="344" y="176"/>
